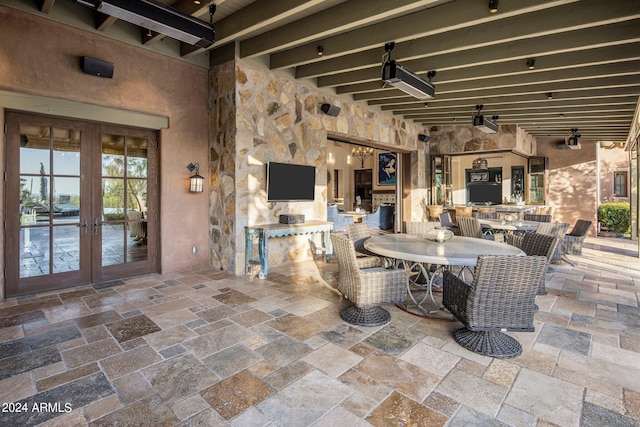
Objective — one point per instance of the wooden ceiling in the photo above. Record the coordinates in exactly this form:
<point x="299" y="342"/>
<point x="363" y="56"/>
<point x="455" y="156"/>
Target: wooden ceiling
<point x="587" y="55"/>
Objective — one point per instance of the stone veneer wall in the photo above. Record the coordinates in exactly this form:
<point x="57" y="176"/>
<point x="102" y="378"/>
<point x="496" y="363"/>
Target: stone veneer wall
<point x="222" y="167"/>
<point x="466" y="138"/>
<point x="257" y="117"/>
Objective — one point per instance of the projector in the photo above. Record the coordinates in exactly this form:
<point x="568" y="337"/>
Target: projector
<point x="572" y="143"/>
<point x="407" y="81"/>
<point x="484" y="125"/>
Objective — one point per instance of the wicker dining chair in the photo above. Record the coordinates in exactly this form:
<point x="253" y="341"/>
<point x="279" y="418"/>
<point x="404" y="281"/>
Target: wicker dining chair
<point x="421" y="228"/>
<point x="500" y="298"/>
<point x="573" y="242"/>
<point x="485" y="215"/>
<point x="358" y="233"/>
<point x="470" y="227"/>
<point x="367" y="288"/>
<point x="555" y="229"/>
<point x="536" y="244"/>
<point x="537" y="217"/>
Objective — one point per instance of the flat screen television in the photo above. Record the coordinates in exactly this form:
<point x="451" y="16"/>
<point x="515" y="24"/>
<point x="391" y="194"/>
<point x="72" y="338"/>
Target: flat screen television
<point x="289" y="182"/>
<point x="483" y="193"/>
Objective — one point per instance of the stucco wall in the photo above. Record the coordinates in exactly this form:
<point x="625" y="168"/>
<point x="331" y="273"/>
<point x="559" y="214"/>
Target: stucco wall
<point x="278" y="119"/>
<point x="572" y="182"/>
<point x="613" y="160"/>
<point x="42" y="57"/>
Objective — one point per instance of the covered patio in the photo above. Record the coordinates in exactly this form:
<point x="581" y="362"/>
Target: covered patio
<point x="205" y="347"/>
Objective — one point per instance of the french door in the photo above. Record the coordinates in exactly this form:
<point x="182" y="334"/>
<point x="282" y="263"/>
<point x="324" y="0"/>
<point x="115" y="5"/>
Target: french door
<point x="81" y="203"/>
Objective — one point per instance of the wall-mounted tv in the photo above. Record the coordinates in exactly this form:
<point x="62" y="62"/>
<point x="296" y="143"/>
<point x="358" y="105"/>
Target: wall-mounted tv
<point x="484" y="192"/>
<point x="289" y="182"/>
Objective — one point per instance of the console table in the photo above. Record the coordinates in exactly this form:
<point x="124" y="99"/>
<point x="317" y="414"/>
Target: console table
<point x="267" y="231"/>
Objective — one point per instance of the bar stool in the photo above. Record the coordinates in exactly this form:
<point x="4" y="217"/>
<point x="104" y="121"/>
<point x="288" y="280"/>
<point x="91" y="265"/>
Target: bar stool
<point x="434" y="212"/>
<point x="485" y="209"/>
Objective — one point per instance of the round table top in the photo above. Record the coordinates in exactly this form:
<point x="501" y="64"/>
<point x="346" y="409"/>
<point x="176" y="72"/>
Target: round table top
<point x="498" y="224"/>
<point x="456" y="251"/>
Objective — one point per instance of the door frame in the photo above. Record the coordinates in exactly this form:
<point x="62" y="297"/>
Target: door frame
<point x="90" y="269"/>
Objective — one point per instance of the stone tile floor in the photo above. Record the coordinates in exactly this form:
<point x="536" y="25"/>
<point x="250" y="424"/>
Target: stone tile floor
<point x="203" y="348"/>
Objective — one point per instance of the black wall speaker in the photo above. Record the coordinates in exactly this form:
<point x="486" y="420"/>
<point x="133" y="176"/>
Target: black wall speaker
<point x="330" y="110"/>
<point x="96" y="67"/>
<point x="424" y="138"/>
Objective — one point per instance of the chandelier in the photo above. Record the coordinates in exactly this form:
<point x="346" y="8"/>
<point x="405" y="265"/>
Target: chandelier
<point x="362" y="153"/>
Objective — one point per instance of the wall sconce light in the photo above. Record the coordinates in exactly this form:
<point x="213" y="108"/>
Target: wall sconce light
<point x="320" y="50"/>
<point x="196" y="180"/>
<point x="549" y="95"/>
<point x="531" y="64"/>
<point x="493" y="6"/>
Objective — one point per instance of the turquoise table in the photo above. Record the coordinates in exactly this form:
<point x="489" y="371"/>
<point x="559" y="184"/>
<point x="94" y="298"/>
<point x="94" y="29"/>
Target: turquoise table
<point x="267" y="231"/>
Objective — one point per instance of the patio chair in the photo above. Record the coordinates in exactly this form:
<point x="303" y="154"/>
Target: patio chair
<point x="358" y="234"/>
<point x="536" y="244"/>
<point x="445" y="221"/>
<point x="421" y="228"/>
<point x="339" y="221"/>
<point x="485" y="215"/>
<point x="470" y="227"/>
<point x="367" y="288"/>
<point x="500" y="298"/>
<point x="381" y="219"/>
<point x="555" y="229"/>
<point x="574" y="241"/>
<point x="537" y="217"/>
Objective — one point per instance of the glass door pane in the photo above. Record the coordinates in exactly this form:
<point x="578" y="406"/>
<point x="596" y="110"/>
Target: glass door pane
<point x="124" y="199"/>
<point x="49" y="200"/>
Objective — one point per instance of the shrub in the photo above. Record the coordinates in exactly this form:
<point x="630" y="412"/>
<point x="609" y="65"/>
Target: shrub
<point x="616" y="216"/>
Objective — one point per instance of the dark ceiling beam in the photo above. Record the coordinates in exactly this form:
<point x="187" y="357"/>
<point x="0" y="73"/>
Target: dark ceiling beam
<point x="471" y="92"/>
<point x="439" y="50"/>
<point x="518" y="105"/>
<point x="337" y="19"/>
<point x="440" y="19"/>
<point x="540" y="77"/>
<point x="253" y="18"/>
<point x="580" y="93"/>
<point x="504" y="64"/>
<point x="505" y="113"/>
<point x="103" y="22"/>
<point x="45" y="6"/>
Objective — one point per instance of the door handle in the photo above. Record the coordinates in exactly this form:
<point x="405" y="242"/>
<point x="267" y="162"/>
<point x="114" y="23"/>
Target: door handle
<point x="96" y="224"/>
<point x="85" y="226"/>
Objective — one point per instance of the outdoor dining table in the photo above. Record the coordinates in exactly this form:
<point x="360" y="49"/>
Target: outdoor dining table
<point x="508" y="226"/>
<point x="413" y="250"/>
